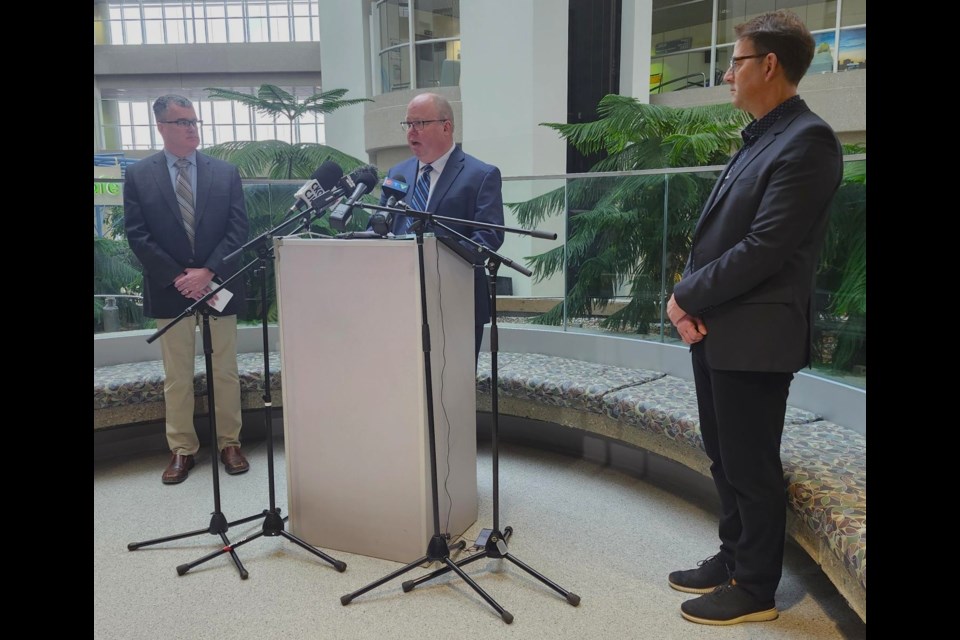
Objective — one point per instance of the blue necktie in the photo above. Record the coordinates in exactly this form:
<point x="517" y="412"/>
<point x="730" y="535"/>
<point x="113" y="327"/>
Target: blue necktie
<point x="419" y="201"/>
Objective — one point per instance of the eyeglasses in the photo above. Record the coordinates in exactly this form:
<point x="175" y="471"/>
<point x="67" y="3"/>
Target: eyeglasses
<point x="735" y="61"/>
<point x="183" y="123"/>
<point x="417" y="125"/>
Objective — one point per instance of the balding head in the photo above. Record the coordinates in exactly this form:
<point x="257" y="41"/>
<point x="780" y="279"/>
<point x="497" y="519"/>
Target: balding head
<point x="431" y="135"/>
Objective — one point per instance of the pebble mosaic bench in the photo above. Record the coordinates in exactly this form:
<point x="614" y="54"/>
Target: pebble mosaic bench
<point x="825" y="471"/>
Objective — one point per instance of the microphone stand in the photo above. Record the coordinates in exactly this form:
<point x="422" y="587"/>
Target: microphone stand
<point x="437" y="548"/>
<point x="218" y="521"/>
<point x="273" y="524"/>
<point x="496" y="544"/>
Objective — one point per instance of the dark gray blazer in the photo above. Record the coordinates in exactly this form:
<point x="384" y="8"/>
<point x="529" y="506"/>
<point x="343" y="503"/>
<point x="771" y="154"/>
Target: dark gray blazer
<point x="751" y="270"/>
<point x="157" y="236"/>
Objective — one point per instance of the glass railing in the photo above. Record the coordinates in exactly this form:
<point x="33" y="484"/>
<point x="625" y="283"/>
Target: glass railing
<point x="611" y="269"/>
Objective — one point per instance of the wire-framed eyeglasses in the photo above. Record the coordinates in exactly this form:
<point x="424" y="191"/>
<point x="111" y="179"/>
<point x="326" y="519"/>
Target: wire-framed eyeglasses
<point x="417" y="125"/>
<point x="183" y="123"/>
<point x="735" y="61"/>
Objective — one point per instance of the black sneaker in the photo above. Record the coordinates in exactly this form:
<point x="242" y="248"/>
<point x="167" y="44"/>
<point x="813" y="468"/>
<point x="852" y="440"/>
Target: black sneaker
<point x="709" y="574"/>
<point x="728" y="604"/>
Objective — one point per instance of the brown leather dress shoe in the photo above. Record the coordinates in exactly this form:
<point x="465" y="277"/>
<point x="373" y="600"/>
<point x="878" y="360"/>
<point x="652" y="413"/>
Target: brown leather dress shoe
<point x="178" y="469"/>
<point x="233" y="461"/>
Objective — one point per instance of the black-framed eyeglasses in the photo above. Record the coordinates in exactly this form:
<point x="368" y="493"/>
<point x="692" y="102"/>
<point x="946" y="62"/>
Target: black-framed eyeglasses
<point x="183" y="123"/>
<point x="417" y="125"/>
<point x="735" y="61"/>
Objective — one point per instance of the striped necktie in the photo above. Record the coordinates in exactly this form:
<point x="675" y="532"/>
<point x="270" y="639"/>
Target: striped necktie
<point x="421" y="194"/>
<point x="185" y="198"/>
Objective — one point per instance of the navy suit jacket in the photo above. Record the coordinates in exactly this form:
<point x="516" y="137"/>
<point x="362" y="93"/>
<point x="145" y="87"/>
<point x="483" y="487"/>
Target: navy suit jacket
<point x="469" y="189"/>
<point x="751" y="270"/>
<point x="157" y="236"/>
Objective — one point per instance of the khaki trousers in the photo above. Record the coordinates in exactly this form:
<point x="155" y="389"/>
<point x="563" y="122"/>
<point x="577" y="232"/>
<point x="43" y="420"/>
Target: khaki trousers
<point x="178" y="346"/>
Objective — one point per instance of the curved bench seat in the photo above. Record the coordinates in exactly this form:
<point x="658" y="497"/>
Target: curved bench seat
<point x="133" y="393"/>
<point x="824" y="463"/>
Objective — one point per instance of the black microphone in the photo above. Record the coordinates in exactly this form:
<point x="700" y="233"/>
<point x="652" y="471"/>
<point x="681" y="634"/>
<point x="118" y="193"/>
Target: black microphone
<point x="397" y="188"/>
<point x="325" y="177"/>
<point x="362" y="181"/>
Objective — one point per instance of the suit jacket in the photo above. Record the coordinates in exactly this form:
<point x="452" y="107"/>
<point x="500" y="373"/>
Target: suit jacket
<point x="469" y="189"/>
<point x="751" y="270"/>
<point x="157" y="236"/>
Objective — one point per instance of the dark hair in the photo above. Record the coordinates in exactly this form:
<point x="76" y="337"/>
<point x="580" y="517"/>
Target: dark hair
<point x="781" y="32"/>
<point x="161" y="104"/>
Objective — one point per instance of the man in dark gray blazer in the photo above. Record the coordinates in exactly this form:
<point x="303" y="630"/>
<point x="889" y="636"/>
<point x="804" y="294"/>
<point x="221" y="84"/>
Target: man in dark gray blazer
<point x="744" y="304"/>
<point x="456" y="185"/>
<point x="183" y="212"/>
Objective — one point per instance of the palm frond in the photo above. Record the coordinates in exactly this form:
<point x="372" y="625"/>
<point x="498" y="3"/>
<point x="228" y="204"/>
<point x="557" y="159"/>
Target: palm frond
<point x="279" y="160"/>
<point x="272" y="100"/>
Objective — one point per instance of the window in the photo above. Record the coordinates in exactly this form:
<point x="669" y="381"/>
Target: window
<point x="686" y="53"/>
<point x="206" y="21"/>
<point x="434" y="27"/>
<point x="130" y="124"/>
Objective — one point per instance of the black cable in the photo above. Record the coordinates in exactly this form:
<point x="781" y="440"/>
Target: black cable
<point x="443" y="353"/>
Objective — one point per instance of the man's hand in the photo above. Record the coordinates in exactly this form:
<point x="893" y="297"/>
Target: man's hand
<point x="194" y="283"/>
<point x="691" y="328"/>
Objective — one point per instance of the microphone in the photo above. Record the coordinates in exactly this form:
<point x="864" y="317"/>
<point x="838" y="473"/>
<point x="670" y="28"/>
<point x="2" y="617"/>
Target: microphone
<point x="325" y="177"/>
<point x="362" y="181"/>
<point x="397" y="188"/>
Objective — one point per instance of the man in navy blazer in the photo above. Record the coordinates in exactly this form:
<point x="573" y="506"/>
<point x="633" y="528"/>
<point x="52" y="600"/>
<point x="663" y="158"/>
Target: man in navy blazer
<point x="183" y="212"/>
<point x="461" y="186"/>
<point x="744" y="304"/>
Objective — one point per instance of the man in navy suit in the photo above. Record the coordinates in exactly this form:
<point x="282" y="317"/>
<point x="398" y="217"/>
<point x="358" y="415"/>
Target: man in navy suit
<point x="460" y="186"/>
<point x="744" y="304"/>
<point x="183" y="212"/>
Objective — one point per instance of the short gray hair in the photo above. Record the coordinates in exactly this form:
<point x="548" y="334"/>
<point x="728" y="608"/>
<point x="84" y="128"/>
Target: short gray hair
<point x="161" y="104"/>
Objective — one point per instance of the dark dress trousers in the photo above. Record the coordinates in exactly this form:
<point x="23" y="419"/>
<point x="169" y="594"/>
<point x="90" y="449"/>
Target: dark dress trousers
<point x="750" y="277"/>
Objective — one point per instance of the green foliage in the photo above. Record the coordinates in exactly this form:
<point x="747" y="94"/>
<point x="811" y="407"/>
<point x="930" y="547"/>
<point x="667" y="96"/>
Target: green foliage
<point x="616" y="224"/>
<point x="840" y="333"/>
<point x="279" y="160"/>
<point x="116" y="271"/>
<point x="620" y="227"/>
<point x="271" y="100"/>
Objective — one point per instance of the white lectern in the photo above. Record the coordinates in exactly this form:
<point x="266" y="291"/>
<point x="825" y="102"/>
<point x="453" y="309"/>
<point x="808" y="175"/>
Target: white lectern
<point x="354" y="399"/>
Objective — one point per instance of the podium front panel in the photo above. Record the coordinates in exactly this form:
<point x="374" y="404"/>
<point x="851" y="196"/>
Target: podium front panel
<point x="354" y="401"/>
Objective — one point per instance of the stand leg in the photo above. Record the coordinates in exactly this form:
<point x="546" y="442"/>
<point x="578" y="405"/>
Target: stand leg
<point x="348" y="598"/>
<point x="496" y="545"/>
<point x="437" y="548"/>
<point x="218" y="521"/>
<point x="273" y="523"/>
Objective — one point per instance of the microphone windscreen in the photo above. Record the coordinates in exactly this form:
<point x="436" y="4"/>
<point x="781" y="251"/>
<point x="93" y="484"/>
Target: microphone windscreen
<point x="366" y="175"/>
<point x="328" y="175"/>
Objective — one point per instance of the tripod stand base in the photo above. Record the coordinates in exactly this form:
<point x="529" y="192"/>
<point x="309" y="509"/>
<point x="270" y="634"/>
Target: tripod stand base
<point x="496" y="547"/>
<point x="218" y="526"/>
<point x="437" y="551"/>
<point x="273" y="525"/>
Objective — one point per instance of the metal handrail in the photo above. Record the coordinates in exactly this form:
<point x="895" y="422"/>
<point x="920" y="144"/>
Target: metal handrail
<point x="702" y="83"/>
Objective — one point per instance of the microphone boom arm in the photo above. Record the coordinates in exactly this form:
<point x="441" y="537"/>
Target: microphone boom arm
<point x="426" y="216"/>
<point x="306" y="217"/>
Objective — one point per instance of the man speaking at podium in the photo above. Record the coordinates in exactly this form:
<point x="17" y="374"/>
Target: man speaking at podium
<point x="447" y="182"/>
